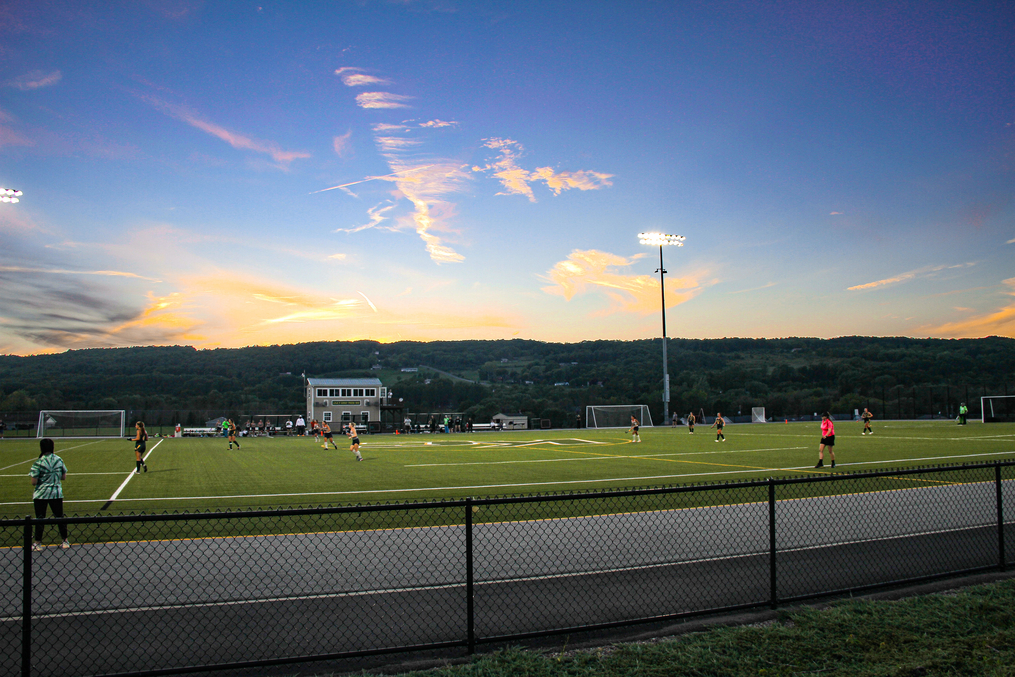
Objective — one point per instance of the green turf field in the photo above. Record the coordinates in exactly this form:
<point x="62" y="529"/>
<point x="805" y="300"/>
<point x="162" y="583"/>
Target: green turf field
<point x="201" y="473"/>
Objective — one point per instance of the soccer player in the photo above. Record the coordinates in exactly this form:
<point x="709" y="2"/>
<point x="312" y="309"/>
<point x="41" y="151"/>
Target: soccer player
<point x="866" y="417"/>
<point x="962" y="413"/>
<point x="232" y="434"/>
<point x="47" y="473"/>
<point x="718" y="424"/>
<point x="690" y="422"/>
<point x="827" y="440"/>
<point x="140" y="444"/>
<point x="635" y="424"/>
<point x="326" y="430"/>
<point x="354" y="441"/>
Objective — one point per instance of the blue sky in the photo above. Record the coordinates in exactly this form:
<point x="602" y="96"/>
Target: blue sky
<point x="239" y="173"/>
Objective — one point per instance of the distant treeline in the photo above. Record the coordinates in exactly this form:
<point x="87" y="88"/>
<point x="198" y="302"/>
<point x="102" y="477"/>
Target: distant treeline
<point x="548" y="380"/>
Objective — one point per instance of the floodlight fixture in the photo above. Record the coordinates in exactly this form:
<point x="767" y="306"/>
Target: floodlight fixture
<point x="9" y="195"/>
<point x="661" y="239"/>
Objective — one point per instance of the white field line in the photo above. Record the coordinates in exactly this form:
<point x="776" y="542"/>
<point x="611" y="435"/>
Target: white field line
<point x="602" y="458"/>
<point x="32" y="460"/>
<point x="132" y="473"/>
<point x="499" y="581"/>
<point x="512" y="485"/>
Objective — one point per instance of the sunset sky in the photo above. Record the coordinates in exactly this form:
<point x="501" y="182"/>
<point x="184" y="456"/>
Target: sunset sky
<point x="223" y="174"/>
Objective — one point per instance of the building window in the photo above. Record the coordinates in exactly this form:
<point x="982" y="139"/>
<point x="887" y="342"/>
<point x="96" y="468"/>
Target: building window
<point x="346" y="416"/>
<point x="370" y="392"/>
<point x="346" y="392"/>
<point x="327" y="416"/>
<point x="322" y="392"/>
<point x="364" y="417"/>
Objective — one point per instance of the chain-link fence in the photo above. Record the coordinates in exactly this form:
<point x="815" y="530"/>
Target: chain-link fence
<point x="173" y="593"/>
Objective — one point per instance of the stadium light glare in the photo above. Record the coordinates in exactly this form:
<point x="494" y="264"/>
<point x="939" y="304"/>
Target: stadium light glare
<point x="9" y="195"/>
<point x="661" y="240"/>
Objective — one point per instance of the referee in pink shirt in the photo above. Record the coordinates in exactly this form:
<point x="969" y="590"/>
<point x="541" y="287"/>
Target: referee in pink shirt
<point x="827" y="440"/>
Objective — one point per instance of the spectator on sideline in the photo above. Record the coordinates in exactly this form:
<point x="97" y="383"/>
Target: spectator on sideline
<point x="962" y="413"/>
<point x="827" y="440"/>
<point x="407" y="425"/>
<point x="301" y="426"/>
<point x="47" y="473"/>
<point x="289" y="426"/>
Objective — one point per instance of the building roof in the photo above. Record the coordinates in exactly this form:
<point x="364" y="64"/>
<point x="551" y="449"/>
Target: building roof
<point x="344" y="382"/>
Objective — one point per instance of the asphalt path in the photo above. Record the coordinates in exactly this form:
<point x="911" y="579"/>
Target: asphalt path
<point x="129" y="606"/>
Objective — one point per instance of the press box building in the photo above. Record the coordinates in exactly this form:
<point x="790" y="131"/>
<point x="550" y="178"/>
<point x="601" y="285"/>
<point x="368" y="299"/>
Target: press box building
<point x="345" y="399"/>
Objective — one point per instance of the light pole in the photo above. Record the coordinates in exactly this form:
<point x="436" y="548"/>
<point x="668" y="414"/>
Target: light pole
<point x="678" y="241"/>
<point x="9" y="195"/>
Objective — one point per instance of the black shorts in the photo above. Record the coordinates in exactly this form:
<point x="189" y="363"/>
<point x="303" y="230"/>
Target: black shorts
<point x="354" y="440"/>
<point x="327" y="436"/>
<point x="140" y="447"/>
<point x="634" y="428"/>
<point x="828" y="441"/>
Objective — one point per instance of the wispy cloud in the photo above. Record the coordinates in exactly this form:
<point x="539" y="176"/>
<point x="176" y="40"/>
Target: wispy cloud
<point x="377" y="215"/>
<point x="744" y="291"/>
<point x="905" y="277"/>
<point x="516" y="180"/>
<point x="835" y="214"/>
<point x="341" y="144"/>
<point x="1011" y="241"/>
<point x="56" y="271"/>
<point x="382" y="100"/>
<point x="234" y="139"/>
<point x="595" y="271"/>
<point x="354" y="77"/>
<point x="438" y="123"/>
<point x="35" y="80"/>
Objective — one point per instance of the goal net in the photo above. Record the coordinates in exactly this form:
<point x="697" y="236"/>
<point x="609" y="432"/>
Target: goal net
<point x="758" y="415"/>
<point x="616" y="415"/>
<point x="81" y="423"/>
<point x="997" y="409"/>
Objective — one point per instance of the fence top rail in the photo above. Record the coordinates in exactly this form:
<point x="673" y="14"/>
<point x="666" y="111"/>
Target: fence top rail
<point x="502" y="500"/>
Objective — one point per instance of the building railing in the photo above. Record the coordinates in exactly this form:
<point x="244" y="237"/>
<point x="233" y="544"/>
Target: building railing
<point x="174" y="593"/>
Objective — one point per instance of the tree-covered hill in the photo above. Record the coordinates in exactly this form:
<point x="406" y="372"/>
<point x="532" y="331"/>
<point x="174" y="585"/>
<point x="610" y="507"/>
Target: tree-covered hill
<point x="550" y="380"/>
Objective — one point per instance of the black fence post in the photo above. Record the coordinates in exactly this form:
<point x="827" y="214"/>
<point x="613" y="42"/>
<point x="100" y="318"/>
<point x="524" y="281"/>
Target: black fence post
<point x="469" y="610"/>
<point x="773" y="593"/>
<point x="26" y="602"/>
<point x="1001" y="562"/>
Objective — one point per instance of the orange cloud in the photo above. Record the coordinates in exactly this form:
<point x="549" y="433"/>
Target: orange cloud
<point x="903" y="277"/>
<point x="341" y="144"/>
<point x="999" y="323"/>
<point x="592" y="271"/>
<point x="516" y="180"/>
<point x="353" y="77"/>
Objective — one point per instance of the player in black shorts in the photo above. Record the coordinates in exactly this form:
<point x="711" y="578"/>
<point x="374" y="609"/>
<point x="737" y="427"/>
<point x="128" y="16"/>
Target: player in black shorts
<point x="354" y="441"/>
<point x="719" y="423"/>
<point x="635" y="424"/>
<point x="866" y="417"/>
<point x="326" y="429"/>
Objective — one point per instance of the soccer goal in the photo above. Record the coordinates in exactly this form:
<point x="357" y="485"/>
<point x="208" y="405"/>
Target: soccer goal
<point x="758" y="415"/>
<point x="616" y="415"/>
<point x="997" y="409"/>
<point x="81" y="423"/>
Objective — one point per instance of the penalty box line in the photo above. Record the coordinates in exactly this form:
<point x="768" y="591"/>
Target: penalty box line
<point x="116" y="493"/>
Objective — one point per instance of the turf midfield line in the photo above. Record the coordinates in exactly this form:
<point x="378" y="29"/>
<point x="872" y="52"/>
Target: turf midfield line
<point x="116" y="493"/>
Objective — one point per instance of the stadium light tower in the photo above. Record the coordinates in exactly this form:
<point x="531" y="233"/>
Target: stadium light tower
<point x="662" y="239"/>
<point x="9" y="195"/>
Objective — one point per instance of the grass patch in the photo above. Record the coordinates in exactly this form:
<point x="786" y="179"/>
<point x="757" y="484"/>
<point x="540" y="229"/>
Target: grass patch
<point x="971" y="632"/>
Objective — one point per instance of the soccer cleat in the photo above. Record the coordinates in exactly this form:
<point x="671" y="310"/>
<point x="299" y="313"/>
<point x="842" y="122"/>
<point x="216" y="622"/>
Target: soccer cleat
<point x="65" y="545"/>
<point x="359" y="458"/>
<point x="833" y="464"/>
<point x="36" y="547"/>
<point x="821" y="462"/>
<point x="145" y="466"/>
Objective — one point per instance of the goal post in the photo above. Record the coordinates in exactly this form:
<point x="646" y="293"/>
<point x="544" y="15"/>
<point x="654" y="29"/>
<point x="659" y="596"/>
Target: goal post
<point x="997" y="409"/>
<point x="616" y="415"/>
<point x="758" y="415"/>
<point x="81" y="423"/>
